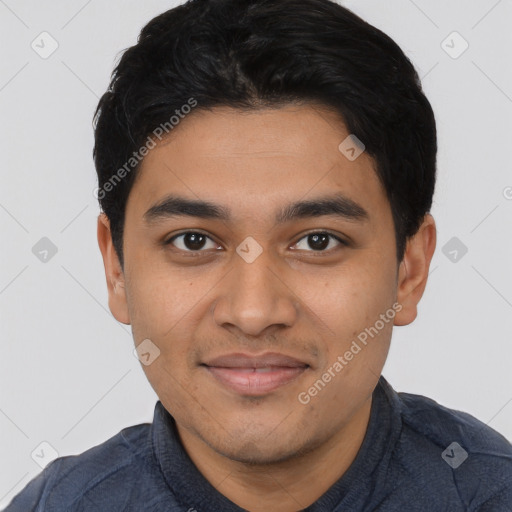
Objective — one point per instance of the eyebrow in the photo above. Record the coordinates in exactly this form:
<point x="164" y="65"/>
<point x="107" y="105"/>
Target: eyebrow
<point x="336" y="205"/>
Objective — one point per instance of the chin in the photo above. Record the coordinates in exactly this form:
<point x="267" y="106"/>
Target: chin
<point x="252" y="454"/>
<point x="261" y="448"/>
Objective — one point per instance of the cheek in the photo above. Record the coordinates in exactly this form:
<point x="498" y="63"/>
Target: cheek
<point x="348" y="305"/>
<point x="166" y="306"/>
<point x="164" y="309"/>
<point x="347" y="298"/>
<point x="155" y="303"/>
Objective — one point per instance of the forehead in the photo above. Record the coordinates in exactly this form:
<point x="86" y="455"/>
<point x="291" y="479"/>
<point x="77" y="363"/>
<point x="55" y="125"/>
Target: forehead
<point x="253" y="161"/>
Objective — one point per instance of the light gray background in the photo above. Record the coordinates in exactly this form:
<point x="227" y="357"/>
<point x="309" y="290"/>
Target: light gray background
<point x="68" y="376"/>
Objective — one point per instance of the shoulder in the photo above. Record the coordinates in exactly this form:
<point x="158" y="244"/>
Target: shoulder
<point x="455" y="451"/>
<point x="440" y="425"/>
<point x="67" y="481"/>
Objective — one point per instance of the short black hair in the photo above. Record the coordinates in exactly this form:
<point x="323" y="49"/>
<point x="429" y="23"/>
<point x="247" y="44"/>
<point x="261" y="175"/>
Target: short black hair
<point x="253" y="54"/>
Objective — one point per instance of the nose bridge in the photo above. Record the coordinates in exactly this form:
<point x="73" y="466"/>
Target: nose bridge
<point x="253" y="297"/>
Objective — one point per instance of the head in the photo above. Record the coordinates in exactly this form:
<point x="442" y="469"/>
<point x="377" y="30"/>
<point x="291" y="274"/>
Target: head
<point x="266" y="171"/>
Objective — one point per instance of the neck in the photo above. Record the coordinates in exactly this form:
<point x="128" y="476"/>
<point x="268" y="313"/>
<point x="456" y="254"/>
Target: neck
<point x="285" y="486"/>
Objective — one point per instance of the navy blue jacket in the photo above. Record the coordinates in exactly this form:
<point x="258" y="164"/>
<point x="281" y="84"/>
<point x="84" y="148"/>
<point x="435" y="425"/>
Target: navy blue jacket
<point x="416" y="456"/>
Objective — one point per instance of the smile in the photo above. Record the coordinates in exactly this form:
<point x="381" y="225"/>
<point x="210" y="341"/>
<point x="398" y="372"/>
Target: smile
<point x="255" y="381"/>
<point x="255" y="375"/>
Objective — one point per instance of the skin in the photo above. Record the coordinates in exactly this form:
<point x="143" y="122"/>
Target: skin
<point x="269" y="452"/>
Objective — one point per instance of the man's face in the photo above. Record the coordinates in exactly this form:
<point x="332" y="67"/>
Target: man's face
<point x="254" y="284"/>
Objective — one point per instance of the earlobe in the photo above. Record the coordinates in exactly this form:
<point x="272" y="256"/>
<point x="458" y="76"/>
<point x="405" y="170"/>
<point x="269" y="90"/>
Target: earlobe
<point x="113" y="272"/>
<point x="413" y="271"/>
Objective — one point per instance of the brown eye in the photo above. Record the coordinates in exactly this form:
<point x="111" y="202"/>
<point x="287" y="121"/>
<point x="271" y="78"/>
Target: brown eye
<point x="191" y="241"/>
<point x="319" y="242"/>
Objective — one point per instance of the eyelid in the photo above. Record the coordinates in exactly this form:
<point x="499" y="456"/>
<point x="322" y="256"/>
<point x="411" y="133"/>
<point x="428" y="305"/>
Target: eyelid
<point x="186" y="232"/>
<point x="342" y="242"/>
<point x="336" y="237"/>
<point x="169" y="241"/>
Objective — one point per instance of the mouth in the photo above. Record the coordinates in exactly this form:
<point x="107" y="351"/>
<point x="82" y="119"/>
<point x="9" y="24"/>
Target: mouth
<point x="255" y="375"/>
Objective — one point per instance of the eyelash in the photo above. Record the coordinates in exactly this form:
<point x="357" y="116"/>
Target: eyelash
<point x="342" y="242"/>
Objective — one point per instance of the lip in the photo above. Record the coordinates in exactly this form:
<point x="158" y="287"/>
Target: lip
<point x="255" y="375"/>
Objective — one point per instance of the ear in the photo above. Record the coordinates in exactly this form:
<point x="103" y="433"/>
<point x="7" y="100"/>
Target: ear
<point x="413" y="271"/>
<point x="113" y="272"/>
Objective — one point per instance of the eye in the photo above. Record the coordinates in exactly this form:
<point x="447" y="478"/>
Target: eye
<point x="319" y="241"/>
<point x="191" y="241"/>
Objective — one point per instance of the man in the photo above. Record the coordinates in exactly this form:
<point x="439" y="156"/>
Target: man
<point x="266" y="171"/>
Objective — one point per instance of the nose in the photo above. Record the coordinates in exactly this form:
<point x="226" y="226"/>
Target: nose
<point x="255" y="296"/>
